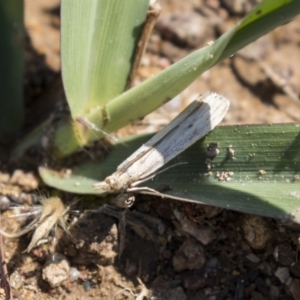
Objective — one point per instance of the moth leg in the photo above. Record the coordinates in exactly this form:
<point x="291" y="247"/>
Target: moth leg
<point x="142" y="224"/>
<point x="141" y="189"/>
<point x="124" y="200"/>
<point x="122" y="231"/>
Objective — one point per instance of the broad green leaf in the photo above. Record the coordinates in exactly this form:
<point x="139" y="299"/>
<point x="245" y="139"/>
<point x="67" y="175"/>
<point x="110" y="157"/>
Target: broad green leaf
<point x="264" y="176"/>
<point x="12" y="66"/>
<point x="97" y="47"/>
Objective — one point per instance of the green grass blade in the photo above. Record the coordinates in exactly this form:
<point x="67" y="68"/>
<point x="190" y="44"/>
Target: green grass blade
<point x="98" y="43"/>
<point x="12" y="65"/>
<point x="271" y="148"/>
<point x="139" y="101"/>
<point x="265" y="17"/>
<point x="164" y="86"/>
<point x="151" y="94"/>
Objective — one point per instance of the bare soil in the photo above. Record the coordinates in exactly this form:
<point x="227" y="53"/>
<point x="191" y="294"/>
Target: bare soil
<point x="235" y="256"/>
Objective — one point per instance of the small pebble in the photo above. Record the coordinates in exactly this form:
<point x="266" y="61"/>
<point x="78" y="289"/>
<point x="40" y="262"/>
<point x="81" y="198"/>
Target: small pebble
<point x="16" y="280"/>
<point x="4" y="203"/>
<point x="74" y="274"/>
<point x="261" y="286"/>
<point x="257" y="231"/>
<point x="294" y="288"/>
<point x="211" y="264"/>
<point x="189" y="256"/>
<point x="56" y="269"/>
<point x="26" y="180"/>
<point x="266" y="268"/>
<point x="284" y="254"/>
<point x="253" y="258"/>
<point x="193" y="281"/>
<point x="87" y="285"/>
<point x="283" y="274"/>
<point x="295" y="268"/>
<point x="274" y="292"/>
<point x="161" y="289"/>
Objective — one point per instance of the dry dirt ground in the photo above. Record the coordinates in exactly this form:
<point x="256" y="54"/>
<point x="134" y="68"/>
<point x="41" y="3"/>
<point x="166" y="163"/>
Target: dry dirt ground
<point x="247" y="257"/>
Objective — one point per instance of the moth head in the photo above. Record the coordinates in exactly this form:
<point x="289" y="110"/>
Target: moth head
<point x="115" y="183"/>
<point x="103" y="185"/>
<point x="118" y="181"/>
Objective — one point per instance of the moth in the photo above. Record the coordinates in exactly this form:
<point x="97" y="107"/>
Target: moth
<point x="193" y="123"/>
